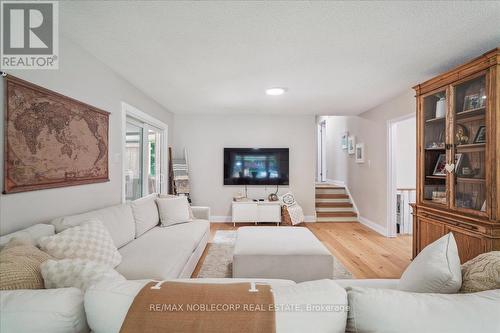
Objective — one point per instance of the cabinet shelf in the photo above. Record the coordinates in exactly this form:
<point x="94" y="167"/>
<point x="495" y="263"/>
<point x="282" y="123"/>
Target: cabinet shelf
<point x="436" y="177"/>
<point x="471" y="180"/>
<point x="436" y="149"/>
<point x="434" y="120"/>
<point x="471" y="113"/>
<point x="471" y="147"/>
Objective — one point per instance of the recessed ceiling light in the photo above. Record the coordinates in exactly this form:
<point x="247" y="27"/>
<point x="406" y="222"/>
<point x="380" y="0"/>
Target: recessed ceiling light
<point x="275" y="91"/>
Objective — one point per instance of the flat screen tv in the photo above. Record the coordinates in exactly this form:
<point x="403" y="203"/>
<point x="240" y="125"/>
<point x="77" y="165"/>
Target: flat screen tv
<point x="255" y="166"/>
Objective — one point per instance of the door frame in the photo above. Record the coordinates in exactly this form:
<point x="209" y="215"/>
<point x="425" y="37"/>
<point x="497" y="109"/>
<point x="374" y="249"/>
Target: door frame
<point x="149" y="122"/>
<point x="391" y="173"/>
<point x="321" y="161"/>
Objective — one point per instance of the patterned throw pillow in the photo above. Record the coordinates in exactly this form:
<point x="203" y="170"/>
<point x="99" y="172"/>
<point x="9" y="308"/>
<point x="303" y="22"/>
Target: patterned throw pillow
<point x="288" y="200"/>
<point x="20" y="266"/>
<point x="481" y="273"/>
<point x="90" y="241"/>
<point x="76" y="273"/>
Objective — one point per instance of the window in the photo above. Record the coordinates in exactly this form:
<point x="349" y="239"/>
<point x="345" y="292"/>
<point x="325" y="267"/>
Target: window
<point x="144" y="162"/>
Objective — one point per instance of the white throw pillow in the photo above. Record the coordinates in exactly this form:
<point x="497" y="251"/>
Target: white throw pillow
<point x="90" y="241"/>
<point x="76" y="273"/>
<point x="173" y="210"/>
<point x="42" y="311"/>
<point x="436" y="269"/>
<point x="393" y="311"/>
<point x="145" y="214"/>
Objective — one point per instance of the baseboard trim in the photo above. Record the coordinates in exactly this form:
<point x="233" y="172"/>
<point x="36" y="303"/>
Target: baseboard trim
<point x="372" y="225"/>
<point x="220" y="219"/>
<point x="228" y="219"/>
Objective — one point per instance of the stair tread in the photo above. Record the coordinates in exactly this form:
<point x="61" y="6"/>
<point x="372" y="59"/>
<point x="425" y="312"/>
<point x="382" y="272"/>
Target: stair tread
<point x="336" y="214"/>
<point x="331" y="196"/>
<point x="333" y="204"/>
<point x="332" y="187"/>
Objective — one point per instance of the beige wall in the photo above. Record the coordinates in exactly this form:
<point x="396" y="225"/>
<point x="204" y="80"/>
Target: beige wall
<point x="205" y="137"/>
<point x="83" y="77"/>
<point x="368" y="181"/>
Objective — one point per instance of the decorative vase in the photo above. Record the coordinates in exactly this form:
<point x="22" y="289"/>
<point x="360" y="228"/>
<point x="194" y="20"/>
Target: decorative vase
<point x="441" y="108"/>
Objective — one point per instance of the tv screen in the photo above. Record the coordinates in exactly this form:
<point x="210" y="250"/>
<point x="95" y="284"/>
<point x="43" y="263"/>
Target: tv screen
<point x="255" y="166"/>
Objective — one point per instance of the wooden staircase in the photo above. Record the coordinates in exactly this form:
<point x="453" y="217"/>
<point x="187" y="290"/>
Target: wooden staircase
<point x="334" y="205"/>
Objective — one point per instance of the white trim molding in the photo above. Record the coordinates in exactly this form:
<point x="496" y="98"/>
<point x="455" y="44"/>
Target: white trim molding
<point x="228" y="219"/>
<point x="372" y="225"/>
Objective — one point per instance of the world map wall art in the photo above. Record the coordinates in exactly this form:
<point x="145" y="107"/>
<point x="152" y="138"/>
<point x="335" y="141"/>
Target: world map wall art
<point x="51" y="140"/>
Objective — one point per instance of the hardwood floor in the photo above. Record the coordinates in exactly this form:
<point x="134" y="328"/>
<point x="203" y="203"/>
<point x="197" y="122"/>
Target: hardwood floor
<point x="365" y="253"/>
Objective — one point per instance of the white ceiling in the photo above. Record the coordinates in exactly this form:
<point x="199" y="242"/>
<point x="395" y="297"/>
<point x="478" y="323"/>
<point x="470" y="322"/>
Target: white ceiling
<point x="334" y="57"/>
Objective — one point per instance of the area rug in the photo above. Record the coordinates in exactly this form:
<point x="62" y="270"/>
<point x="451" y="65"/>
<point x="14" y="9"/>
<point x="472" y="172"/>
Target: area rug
<point x="218" y="261"/>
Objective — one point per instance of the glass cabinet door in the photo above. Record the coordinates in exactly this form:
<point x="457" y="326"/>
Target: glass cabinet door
<point x="434" y="107"/>
<point x="469" y="128"/>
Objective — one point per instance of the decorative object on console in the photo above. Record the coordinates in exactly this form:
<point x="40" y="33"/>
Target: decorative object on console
<point x="20" y="265"/>
<point x="351" y="144"/>
<point x="480" y="135"/>
<point x="360" y="152"/>
<point x="51" y="140"/>
<point x="481" y="273"/>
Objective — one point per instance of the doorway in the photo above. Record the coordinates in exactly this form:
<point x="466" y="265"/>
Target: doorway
<point x="401" y="174"/>
<point x="321" y="163"/>
<point x="144" y="154"/>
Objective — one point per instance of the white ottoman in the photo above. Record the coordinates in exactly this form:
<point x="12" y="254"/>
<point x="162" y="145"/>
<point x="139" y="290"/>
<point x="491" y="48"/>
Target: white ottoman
<point x="291" y="253"/>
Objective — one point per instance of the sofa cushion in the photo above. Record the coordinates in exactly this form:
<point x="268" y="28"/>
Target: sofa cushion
<point x="162" y="252"/>
<point x="89" y="241"/>
<point x="118" y="219"/>
<point x="481" y="273"/>
<point x="20" y="266"/>
<point x="174" y="210"/>
<point x="384" y="310"/>
<point x="76" y="273"/>
<point x="435" y="270"/>
<point x="145" y="214"/>
<point x="45" y="310"/>
<point x="32" y="233"/>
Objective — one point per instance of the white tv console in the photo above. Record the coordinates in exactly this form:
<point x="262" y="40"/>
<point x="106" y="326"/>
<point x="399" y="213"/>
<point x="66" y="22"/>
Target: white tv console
<point x="256" y="211"/>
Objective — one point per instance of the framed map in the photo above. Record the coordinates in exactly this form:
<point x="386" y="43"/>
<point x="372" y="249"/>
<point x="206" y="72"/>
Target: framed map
<point x="51" y="140"/>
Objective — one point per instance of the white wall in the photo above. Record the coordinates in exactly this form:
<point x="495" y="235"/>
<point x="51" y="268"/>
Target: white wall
<point x="405" y="148"/>
<point x="83" y="77"/>
<point x="368" y="181"/>
<point x="205" y="137"/>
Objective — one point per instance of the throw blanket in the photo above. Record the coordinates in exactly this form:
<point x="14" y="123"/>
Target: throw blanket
<point x="197" y="307"/>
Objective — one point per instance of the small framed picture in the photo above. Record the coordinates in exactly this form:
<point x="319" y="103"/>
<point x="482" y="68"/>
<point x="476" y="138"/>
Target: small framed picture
<point x="360" y="152"/>
<point x="351" y="145"/>
<point x="440" y="168"/>
<point x="458" y="161"/>
<point x="480" y="135"/>
<point x="344" y="139"/>
<point x="471" y="102"/>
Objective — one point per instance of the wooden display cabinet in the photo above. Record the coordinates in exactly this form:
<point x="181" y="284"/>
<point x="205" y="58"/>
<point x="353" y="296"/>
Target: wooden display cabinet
<point x="458" y="158"/>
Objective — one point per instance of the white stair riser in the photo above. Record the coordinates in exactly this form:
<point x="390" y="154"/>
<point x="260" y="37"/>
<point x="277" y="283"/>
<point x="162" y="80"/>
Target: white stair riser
<point x="330" y="191"/>
<point x="333" y="200"/>
<point x="336" y="219"/>
<point x="334" y="209"/>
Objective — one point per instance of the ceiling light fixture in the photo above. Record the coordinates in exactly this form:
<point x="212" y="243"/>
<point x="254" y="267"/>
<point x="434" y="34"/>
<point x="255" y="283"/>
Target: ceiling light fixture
<point x="275" y="91"/>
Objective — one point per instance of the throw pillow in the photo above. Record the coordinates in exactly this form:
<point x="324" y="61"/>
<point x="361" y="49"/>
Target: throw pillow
<point x="288" y="200"/>
<point x="481" y="273"/>
<point x="20" y="266"/>
<point x="173" y="210"/>
<point x="191" y="214"/>
<point x="76" y="273"/>
<point x="436" y="269"/>
<point x="90" y="240"/>
<point x="145" y="214"/>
